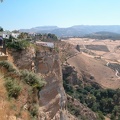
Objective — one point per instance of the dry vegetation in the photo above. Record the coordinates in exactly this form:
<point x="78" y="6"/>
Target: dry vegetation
<point x="18" y="94"/>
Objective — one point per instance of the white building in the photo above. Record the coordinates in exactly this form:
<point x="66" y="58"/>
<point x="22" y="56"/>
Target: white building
<point x="15" y="35"/>
<point x="32" y="34"/>
<point x="47" y="44"/>
<point x="5" y="34"/>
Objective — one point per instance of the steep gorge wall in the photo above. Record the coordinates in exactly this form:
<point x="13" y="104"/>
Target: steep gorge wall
<point x="22" y="59"/>
<point x="52" y="98"/>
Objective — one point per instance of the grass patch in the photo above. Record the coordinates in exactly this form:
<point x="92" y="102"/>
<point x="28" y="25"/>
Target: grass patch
<point x="11" y="83"/>
<point x="13" y="88"/>
<point x="8" y="66"/>
<point x="34" y="110"/>
<point x="32" y="79"/>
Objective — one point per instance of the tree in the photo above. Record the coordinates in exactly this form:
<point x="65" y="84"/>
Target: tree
<point x="15" y="31"/>
<point x="95" y="106"/>
<point x="1" y="29"/>
<point x="101" y="116"/>
<point x="23" y="35"/>
<point x="90" y="100"/>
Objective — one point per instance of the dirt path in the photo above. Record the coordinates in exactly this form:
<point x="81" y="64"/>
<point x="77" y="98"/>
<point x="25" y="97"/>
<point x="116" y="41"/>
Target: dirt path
<point x="116" y="71"/>
<point x="117" y="74"/>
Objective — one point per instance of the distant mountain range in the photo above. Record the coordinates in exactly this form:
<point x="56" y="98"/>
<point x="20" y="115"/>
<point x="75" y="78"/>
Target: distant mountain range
<point x="74" y="31"/>
<point x="103" y="35"/>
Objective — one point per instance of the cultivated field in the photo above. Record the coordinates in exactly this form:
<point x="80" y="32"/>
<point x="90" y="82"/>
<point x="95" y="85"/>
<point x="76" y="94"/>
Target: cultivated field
<point x="95" y="58"/>
<point x="107" y="49"/>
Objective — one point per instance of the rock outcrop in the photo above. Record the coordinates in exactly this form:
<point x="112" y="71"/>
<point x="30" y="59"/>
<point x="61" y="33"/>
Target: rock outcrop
<point x="52" y="96"/>
<point x="46" y="63"/>
<point x="22" y="59"/>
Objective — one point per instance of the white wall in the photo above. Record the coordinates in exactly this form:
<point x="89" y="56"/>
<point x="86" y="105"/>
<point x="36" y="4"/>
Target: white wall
<point x="47" y="44"/>
<point x="15" y="35"/>
<point x="6" y="36"/>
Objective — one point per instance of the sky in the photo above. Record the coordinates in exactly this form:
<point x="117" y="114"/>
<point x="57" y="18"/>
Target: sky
<point x="18" y="14"/>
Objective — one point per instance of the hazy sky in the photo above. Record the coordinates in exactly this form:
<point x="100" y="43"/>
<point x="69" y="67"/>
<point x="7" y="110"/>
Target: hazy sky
<point x="16" y="14"/>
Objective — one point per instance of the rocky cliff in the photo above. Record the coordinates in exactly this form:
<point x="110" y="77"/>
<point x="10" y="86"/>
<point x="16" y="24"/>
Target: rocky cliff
<point x="52" y="96"/>
<point x="46" y="63"/>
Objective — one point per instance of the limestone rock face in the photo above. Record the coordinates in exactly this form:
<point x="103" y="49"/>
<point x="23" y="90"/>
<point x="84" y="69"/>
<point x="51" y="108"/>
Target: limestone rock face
<point x="52" y="96"/>
<point x="23" y="59"/>
<point x="73" y="77"/>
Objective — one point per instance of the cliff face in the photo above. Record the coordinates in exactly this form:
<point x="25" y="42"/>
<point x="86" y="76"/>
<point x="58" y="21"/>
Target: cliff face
<point x="22" y="59"/>
<point x="52" y="98"/>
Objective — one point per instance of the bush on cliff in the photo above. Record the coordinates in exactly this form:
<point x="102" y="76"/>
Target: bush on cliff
<point x="32" y="79"/>
<point x="18" y="44"/>
<point x="14" y="76"/>
<point x="7" y="65"/>
<point x="13" y="88"/>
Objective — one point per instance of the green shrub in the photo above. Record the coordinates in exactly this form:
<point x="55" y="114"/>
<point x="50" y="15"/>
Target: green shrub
<point x="101" y="116"/>
<point x="34" y="110"/>
<point x="32" y="79"/>
<point x="12" y="87"/>
<point x="8" y="66"/>
<point x="101" y="101"/>
<point x="18" y="45"/>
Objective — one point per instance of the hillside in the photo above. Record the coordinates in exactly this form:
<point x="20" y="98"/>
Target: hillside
<point x="92" y="74"/>
<point x="102" y="74"/>
<point x="93" y="58"/>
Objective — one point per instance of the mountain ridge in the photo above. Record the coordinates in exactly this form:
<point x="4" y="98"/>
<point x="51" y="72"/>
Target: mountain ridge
<point x="74" y="31"/>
